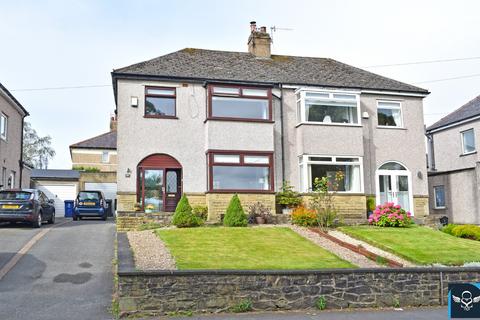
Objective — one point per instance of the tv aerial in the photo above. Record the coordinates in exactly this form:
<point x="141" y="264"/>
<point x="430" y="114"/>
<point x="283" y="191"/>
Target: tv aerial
<point x="275" y="29"/>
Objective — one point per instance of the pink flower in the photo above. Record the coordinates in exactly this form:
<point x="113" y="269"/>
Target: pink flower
<point x="400" y="217"/>
<point x="397" y="206"/>
<point x="409" y="214"/>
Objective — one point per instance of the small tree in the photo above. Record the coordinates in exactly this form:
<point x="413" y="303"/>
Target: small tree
<point x="235" y="216"/>
<point x="322" y="200"/>
<point x="288" y="197"/>
<point x="184" y="217"/>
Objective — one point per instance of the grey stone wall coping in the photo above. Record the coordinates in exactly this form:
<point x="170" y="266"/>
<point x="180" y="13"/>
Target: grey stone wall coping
<point x="126" y="268"/>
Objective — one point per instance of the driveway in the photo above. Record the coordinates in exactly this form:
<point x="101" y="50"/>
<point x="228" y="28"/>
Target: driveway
<point x="66" y="274"/>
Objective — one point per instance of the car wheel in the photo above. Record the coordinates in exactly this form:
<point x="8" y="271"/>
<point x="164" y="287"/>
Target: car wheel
<point x="38" y="223"/>
<point x="52" y="218"/>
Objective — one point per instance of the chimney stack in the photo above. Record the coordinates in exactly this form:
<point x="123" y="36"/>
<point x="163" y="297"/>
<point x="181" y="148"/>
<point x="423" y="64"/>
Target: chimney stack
<point x="113" y="123"/>
<point x="259" y="41"/>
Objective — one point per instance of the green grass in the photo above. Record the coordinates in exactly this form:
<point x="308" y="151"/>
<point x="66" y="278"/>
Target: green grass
<point x="246" y="248"/>
<point x="420" y="245"/>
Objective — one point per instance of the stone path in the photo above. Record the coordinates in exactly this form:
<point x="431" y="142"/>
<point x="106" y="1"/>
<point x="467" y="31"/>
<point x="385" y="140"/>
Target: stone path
<point x="149" y="251"/>
<point x="344" y="237"/>
<point x="344" y="253"/>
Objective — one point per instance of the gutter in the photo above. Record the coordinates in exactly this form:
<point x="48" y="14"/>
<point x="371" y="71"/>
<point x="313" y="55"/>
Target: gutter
<point x="282" y="139"/>
<point x="20" y="161"/>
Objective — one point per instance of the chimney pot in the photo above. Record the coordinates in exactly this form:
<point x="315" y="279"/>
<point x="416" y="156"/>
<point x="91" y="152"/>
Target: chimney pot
<point x="253" y="26"/>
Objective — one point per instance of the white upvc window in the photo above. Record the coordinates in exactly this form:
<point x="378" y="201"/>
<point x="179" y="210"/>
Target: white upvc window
<point x="105" y="156"/>
<point x="345" y="173"/>
<point x="328" y="107"/>
<point x="468" y="141"/>
<point x="389" y="114"/>
<point x="3" y="126"/>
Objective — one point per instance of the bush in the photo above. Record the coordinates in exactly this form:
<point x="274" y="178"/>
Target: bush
<point x="467" y="231"/>
<point x="449" y="228"/>
<point x="390" y="215"/>
<point x="288" y="197"/>
<point x="235" y="216"/>
<point x="201" y="212"/>
<point x="86" y="169"/>
<point x="370" y="204"/>
<point x="184" y="217"/>
<point x="304" y="217"/>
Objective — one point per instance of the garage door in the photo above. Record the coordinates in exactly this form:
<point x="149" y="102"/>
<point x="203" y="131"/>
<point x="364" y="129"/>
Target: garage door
<point x="109" y="189"/>
<point x="59" y="193"/>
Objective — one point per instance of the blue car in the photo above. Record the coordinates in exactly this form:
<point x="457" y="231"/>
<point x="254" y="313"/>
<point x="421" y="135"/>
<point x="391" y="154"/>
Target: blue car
<point x="90" y="204"/>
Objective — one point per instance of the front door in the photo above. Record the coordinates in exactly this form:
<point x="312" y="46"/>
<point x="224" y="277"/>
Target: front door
<point x="173" y="191"/>
<point x="394" y="186"/>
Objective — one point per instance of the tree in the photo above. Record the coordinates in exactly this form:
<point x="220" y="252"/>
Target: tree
<point x="37" y="151"/>
<point x="235" y="216"/>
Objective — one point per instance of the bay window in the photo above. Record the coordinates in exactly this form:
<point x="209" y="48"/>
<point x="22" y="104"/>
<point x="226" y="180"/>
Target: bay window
<point x="240" y="171"/>
<point x="240" y="103"/>
<point x="344" y="174"/>
<point x="327" y="107"/>
<point x="389" y="114"/>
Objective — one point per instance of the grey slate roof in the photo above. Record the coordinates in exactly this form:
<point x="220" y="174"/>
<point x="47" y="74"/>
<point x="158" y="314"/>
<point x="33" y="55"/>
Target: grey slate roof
<point x="54" y="174"/>
<point x="469" y="110"/>
<point x="2" y="87"/>
<point x="104" y="141"/>
<point x="242" y="66"/>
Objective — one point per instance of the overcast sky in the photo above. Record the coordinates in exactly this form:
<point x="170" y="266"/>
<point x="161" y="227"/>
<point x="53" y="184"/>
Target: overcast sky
<point x="77" y="43"/>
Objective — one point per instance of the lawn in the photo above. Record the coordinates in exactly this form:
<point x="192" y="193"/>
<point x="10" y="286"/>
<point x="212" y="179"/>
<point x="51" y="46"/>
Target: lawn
<point x="420" y="245"/>
<point x="246" y="248"/>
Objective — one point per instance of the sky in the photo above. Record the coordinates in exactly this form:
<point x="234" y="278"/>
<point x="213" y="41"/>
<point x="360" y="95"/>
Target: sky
<point x="50" y="44"/>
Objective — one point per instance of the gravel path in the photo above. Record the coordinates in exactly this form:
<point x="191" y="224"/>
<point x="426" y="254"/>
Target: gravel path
<point x="344" y="253"/>
<point x="150" y="253"/>
<point x="344" y="237"/>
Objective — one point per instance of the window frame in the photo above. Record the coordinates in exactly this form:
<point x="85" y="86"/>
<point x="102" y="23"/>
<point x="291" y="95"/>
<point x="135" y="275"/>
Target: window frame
<point x="400" y="107"/>
<point x="211" y="163"/>
<point x="306" y="172"/>
<point x="2" y="135"/>
<point x="174" y="97"/>
<point x="211" y="94"/>
<point x="435" y="197"/>
<point x="105" y="159"/>
<point x="462" y="134"/>
<point x="300" y="99"/>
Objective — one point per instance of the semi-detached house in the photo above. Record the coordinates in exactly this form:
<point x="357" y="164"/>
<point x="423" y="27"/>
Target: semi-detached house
<point x="209" y="124"/>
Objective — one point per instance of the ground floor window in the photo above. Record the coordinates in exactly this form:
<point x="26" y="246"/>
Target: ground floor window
<point x="240" y="171"/>
<point x="344" y="173"/>
<point x="439" y="193"/>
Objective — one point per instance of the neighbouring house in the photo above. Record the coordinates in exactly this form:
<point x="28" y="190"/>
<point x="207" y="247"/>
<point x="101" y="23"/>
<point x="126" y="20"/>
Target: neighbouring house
<point x="57" y="184"/>
<point x="454" y="168"/>
<point x="13" y="174"/>
<point x="96" y="160"/>
<point x="210" y="124"/>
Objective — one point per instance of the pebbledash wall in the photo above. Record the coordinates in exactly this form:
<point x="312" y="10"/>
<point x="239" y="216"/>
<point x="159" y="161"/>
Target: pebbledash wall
<point x="372" y="143"/>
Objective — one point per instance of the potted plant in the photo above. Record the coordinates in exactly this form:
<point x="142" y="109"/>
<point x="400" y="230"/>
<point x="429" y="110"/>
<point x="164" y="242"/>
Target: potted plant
<point x="149" y="208"/>
<point x="259" y="213"/>
<point x="137" y="207"/>
<point x="288" y="198"/>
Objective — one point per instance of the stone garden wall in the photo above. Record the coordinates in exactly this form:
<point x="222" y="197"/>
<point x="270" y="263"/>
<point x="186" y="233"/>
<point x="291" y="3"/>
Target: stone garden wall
<point x="130" y="220"/>
<point x="161" y="292"/>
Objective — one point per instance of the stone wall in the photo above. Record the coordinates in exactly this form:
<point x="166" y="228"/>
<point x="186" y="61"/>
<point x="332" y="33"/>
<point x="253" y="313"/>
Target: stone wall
<point x="131" y="220"/>
<point x="126" y="201"/>
<point x="196" y="198"/>
<point x="160" y="292"/>
<point x="218" y="202"/>
<point x="420" y="204"/>
<point x="352" y="209"/>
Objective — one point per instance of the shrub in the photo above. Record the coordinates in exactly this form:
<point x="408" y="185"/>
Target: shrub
<point x="184" y="217"/>
<point x="288" y="197"/>
<point x="235" y="216"/>
<point x="201" y="212"/>
<point x="467" y="231"/>
<point x="390" y="215"/>
<point x="370" y="204"/>
<point x="304" y="217"/>
<point x="86" y="169"/>
<point x="322" y="202"/>
<point x="449" y="228"/>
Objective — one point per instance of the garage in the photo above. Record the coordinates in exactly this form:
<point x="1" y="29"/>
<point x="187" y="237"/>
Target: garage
<point x="109" y="189"/>
<point x="59" y="185"/>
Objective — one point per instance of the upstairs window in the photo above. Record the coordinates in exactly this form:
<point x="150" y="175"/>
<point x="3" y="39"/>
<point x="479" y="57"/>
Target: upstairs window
<point x="389" y="114"/>
<point x="325" y="107"/>
<point x="240" y="103"/>
<point x="160" y="102"/>
<point x="3" y="126"/>
<point x="468" y="141"/>
<point x="105" y="157"/>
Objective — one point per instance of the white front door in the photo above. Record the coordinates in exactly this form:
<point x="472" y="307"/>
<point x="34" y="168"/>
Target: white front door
<point x="395" y="186"/>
